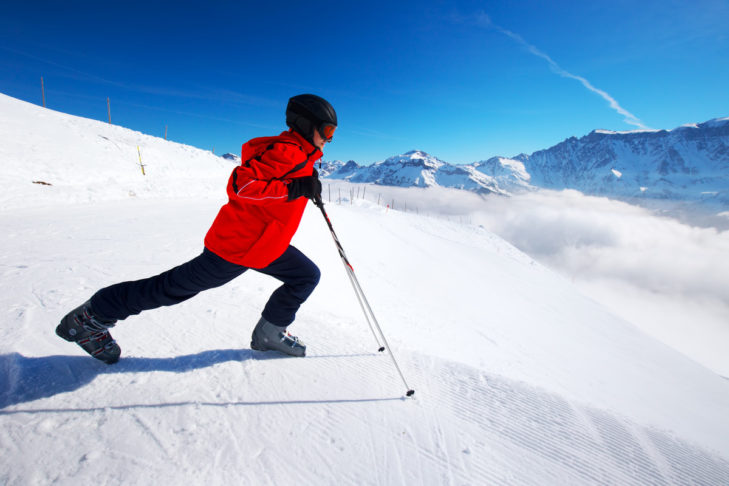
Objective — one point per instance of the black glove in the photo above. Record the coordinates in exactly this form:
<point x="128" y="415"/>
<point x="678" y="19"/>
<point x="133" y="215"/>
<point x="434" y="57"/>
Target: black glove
<point x="308" y="186"/>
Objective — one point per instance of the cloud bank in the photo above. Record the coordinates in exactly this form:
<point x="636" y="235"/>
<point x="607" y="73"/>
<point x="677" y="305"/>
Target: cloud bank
<point x="667" y="277"/>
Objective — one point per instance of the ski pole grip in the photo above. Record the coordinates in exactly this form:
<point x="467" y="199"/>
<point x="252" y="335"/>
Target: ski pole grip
<point x="318" y="202"/>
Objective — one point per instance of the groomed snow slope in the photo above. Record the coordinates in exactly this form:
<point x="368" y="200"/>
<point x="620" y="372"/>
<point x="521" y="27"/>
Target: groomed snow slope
<point x="519" y="379"/>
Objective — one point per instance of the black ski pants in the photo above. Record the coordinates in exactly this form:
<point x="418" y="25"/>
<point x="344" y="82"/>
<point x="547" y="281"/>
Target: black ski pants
<point x="297" y="272"/>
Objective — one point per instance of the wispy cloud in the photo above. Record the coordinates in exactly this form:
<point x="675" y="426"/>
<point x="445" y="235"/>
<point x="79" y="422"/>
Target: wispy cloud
<point x="483" y="20"/>
<point x="64" y="70"/>
<point x="204" y="93"/>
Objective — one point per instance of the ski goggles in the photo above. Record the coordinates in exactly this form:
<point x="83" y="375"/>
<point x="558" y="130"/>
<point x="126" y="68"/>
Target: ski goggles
<point x="326" y="130"/>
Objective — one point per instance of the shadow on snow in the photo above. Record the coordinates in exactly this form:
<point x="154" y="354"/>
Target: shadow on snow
<point x="24" y="379"/>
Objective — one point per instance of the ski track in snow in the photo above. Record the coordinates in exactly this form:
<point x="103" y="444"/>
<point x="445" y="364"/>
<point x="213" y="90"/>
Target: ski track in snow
<point x="464" y="427"/>
<point x="191" y="403"/>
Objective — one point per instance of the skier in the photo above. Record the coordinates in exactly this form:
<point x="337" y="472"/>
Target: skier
<point x="267" y="195"/>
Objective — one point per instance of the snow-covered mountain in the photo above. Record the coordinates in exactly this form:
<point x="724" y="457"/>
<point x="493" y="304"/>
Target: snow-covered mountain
<point x="509" y="174"/>
<point x="689" y="163"/>
<point x="326" y="168"/>
<point x="417" y="169"/>
<point x="520" y="379"/>
<point x="232" y="157"/>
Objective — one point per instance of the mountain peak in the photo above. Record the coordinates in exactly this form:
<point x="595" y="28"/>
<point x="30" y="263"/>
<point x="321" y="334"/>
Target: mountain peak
<point x="716" y="123"/>
<point x="415" y="158"/>
<point x="231" y="156"/>
<point x="417" y="154"/>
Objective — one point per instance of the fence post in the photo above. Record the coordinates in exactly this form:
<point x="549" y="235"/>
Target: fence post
<point x="165" y="132"/>
<point x="43" y="92"/>
<point x="108" y="109"/>
<point x="140" y="160"/>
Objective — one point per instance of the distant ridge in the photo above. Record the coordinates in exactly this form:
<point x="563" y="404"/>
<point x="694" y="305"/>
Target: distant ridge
<point x="687" y="164"/>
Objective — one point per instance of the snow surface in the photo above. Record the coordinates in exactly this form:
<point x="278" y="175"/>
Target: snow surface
<point x="519" y="378"/>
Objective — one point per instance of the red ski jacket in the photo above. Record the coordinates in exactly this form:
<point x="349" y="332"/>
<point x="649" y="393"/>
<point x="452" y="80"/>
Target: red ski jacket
<point x="257" y="224"/>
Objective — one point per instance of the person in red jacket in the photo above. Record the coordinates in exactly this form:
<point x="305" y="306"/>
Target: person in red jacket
<point x="267" y="195"/>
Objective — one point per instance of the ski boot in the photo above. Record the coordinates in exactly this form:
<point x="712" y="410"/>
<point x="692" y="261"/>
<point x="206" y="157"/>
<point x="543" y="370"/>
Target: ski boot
<point x="267" y="336"/>
<point x="91" y="332"/>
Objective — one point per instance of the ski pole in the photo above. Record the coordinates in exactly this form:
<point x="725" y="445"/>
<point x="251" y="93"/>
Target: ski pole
<point x="363" y="303"/>
<point x="352" y="279"/>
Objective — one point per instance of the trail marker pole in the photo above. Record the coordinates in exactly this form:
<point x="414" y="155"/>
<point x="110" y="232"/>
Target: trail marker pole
<point x="140" y="160"/>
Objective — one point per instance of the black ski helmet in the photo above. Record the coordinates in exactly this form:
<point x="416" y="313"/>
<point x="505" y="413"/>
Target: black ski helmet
<point x="307" y="112"/>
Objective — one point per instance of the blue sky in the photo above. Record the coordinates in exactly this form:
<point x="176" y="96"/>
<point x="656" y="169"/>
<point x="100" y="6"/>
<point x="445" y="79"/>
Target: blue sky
<point x="463" y="81"/>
